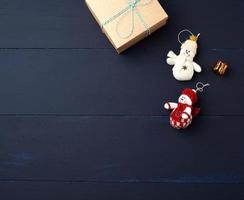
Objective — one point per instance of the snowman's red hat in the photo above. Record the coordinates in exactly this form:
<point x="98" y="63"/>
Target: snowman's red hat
<point x="191" y="94"/>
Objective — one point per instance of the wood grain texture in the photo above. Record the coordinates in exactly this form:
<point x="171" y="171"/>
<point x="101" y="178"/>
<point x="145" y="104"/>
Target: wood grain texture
<point x="68" y="24"/>
<point x="121" y="191"/>
<point x="122" y="149"/>
<point x="98" y="82"/>
<point x="80" y="122"/>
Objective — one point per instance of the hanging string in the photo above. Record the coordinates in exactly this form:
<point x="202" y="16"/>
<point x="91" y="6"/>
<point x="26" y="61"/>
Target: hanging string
<point x="183" y="31"/>
<point x="200" y="86"/>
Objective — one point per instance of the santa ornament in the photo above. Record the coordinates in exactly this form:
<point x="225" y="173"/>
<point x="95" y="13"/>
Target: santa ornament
<point x="184" y="111"/>
<point x="183" y="64"/>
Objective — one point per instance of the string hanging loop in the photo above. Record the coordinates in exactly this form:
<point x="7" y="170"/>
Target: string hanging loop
<point x="200" y="86"/>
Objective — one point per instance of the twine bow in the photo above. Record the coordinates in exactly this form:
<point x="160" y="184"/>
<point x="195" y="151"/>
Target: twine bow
<point x="130" y="8"/>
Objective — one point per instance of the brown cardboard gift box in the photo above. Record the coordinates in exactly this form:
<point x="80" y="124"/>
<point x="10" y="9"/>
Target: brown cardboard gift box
<point x="125" y="22"/>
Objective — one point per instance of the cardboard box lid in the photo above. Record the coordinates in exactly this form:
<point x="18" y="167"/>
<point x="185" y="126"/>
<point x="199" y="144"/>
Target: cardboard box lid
<point x="152" y="14"/>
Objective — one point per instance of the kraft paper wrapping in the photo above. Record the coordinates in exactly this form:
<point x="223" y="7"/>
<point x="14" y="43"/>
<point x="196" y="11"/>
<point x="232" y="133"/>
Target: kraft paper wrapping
<point x="153" y="14"/>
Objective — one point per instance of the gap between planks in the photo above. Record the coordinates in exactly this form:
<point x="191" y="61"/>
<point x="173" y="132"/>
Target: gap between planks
<point x="101" y="48"/>
<point x="186" y="180"/>
<point x="107" y="116"/>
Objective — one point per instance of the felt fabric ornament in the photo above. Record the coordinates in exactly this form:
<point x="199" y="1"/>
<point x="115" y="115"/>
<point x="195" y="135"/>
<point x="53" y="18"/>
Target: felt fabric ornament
<point x="183" y="64"/>
<point x="184" y="111"/>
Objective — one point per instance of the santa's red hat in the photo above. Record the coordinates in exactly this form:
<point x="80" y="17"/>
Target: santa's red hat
<point x="191" y="94"/>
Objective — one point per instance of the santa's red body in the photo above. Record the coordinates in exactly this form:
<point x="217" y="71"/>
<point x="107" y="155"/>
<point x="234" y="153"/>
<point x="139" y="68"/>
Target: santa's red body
<point x="176" y="119"/>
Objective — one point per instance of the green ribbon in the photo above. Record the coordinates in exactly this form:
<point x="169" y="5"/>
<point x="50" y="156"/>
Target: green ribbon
<point x="130" y="8"/>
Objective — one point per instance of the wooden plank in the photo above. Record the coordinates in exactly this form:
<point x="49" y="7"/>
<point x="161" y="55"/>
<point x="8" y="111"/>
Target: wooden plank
<point x="68" y="24"/>
<point x="95" y="82"/>
<point x="122" y="149"/>
<point x="91" y="125"/>
<point x="129" y="191"/>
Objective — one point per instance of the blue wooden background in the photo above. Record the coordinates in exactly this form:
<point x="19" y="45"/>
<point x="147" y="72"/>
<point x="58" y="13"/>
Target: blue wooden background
<point x="78" y="121"/>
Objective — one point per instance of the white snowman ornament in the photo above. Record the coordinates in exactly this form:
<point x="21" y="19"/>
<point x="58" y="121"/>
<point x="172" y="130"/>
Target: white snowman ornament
<point x="183" y="64"/>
